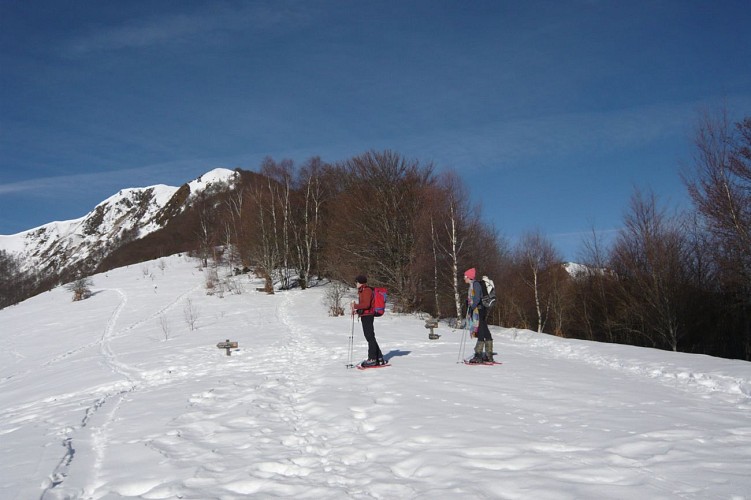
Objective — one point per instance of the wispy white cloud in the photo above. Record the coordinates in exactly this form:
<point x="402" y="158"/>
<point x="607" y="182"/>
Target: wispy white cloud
<point x="42" y="184"/>
<point x="506" y="143"/>
<point x="142" y="34"/>
<point x="70" y="185"/>
<point x="184" y="27"/>
<point x="54" y="186"/>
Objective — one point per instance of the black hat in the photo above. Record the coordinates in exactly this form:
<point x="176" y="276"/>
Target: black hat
<point x="361" y="278"/>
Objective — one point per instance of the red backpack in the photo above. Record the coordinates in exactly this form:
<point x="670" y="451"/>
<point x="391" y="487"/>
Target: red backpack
<point x="380" y="295"/>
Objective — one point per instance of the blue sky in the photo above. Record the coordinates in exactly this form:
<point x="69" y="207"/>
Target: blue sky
<point x="553" y="112"/>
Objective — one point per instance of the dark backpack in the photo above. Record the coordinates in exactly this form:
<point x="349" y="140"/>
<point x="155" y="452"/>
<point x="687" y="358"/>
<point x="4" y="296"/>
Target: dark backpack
<point x="488" y="292"/>
<point x="380" y="295"/>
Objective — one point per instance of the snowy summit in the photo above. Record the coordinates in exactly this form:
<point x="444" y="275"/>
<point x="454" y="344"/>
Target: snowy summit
<point x="126" y="395"/>
<point x="129" y="214"/>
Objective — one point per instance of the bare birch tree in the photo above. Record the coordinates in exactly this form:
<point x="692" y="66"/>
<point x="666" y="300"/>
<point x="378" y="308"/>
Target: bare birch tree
<point x="459" y="220"/>
<point x="436" y="280"/>
<point x="234" y="209"/>
<point x="537" y="256"/>
<point x="279" y="181"/>
<point x="308" y="218"/>
<point x="263" y="243"/>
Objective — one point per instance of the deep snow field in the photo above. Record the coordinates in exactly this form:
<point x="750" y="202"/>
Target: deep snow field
<point x="117" y="397"/>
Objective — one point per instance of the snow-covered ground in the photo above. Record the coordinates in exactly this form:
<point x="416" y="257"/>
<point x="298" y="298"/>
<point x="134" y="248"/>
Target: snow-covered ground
<point x="115" y="396"/>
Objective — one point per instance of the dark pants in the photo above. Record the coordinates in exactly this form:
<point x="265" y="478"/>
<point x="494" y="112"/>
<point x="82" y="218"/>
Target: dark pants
<point x="374" y="352"/>
<point x="483" y="332"/>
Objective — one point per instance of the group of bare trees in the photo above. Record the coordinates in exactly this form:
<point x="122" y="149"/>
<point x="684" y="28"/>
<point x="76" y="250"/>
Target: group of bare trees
<point x="17" y="284"/>
<point x="394" y="219"/>
<point x="9" y="274"/>
<point x="676" y="280"/>
<point x="721" y="190"/>
<point x="272" y="220"/>
<point x="671" y="280"/>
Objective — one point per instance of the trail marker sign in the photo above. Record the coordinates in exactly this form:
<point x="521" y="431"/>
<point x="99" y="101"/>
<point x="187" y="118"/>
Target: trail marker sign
<point x="227" y="345"/>
<point x="432" y="323"/>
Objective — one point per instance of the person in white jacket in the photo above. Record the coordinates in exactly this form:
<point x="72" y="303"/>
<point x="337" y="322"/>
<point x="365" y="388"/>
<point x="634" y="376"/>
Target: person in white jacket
<point x="477" y="319"/>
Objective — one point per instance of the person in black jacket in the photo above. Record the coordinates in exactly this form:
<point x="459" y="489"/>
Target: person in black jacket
<point x="364" y="309"/>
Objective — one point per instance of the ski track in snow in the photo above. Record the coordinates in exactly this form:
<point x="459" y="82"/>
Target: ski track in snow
<point x="279" y="381"/>
<point x="61" y="471"/>
<point x="98" y="436"/>
<point x="110" y="336"/>
<point x="284" y="377"/>
<point x="113" y="335"/>
<point x="180" y="298"/>
<point x="299" y="449"/>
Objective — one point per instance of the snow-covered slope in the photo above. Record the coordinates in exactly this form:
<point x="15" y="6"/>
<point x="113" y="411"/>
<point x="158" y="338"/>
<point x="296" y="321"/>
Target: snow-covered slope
<point x="130" y="214"/>
<point x="117" y="397"/>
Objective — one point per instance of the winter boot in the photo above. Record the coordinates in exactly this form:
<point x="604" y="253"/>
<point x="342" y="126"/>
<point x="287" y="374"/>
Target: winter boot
<point x="478" y="352"/>
<point x="488" y="357"/>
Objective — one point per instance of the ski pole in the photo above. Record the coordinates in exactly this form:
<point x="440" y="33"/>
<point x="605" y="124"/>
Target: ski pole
<point x="463" y="343"/>
<point x="350" y="364"/>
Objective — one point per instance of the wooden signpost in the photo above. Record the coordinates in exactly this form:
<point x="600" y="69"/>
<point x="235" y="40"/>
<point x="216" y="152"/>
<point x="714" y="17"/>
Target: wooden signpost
<point x="227" y="345"/>
<point x="432" y="323"/>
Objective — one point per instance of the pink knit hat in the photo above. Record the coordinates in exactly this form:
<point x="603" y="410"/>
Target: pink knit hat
<point x="470" y="273"/>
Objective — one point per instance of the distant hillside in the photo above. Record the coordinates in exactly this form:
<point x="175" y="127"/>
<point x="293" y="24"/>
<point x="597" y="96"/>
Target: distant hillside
<point x="133" y="225"/>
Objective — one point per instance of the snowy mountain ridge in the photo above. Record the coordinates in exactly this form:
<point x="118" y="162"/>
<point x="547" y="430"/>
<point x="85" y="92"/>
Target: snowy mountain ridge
<point x="129" y="214"/>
